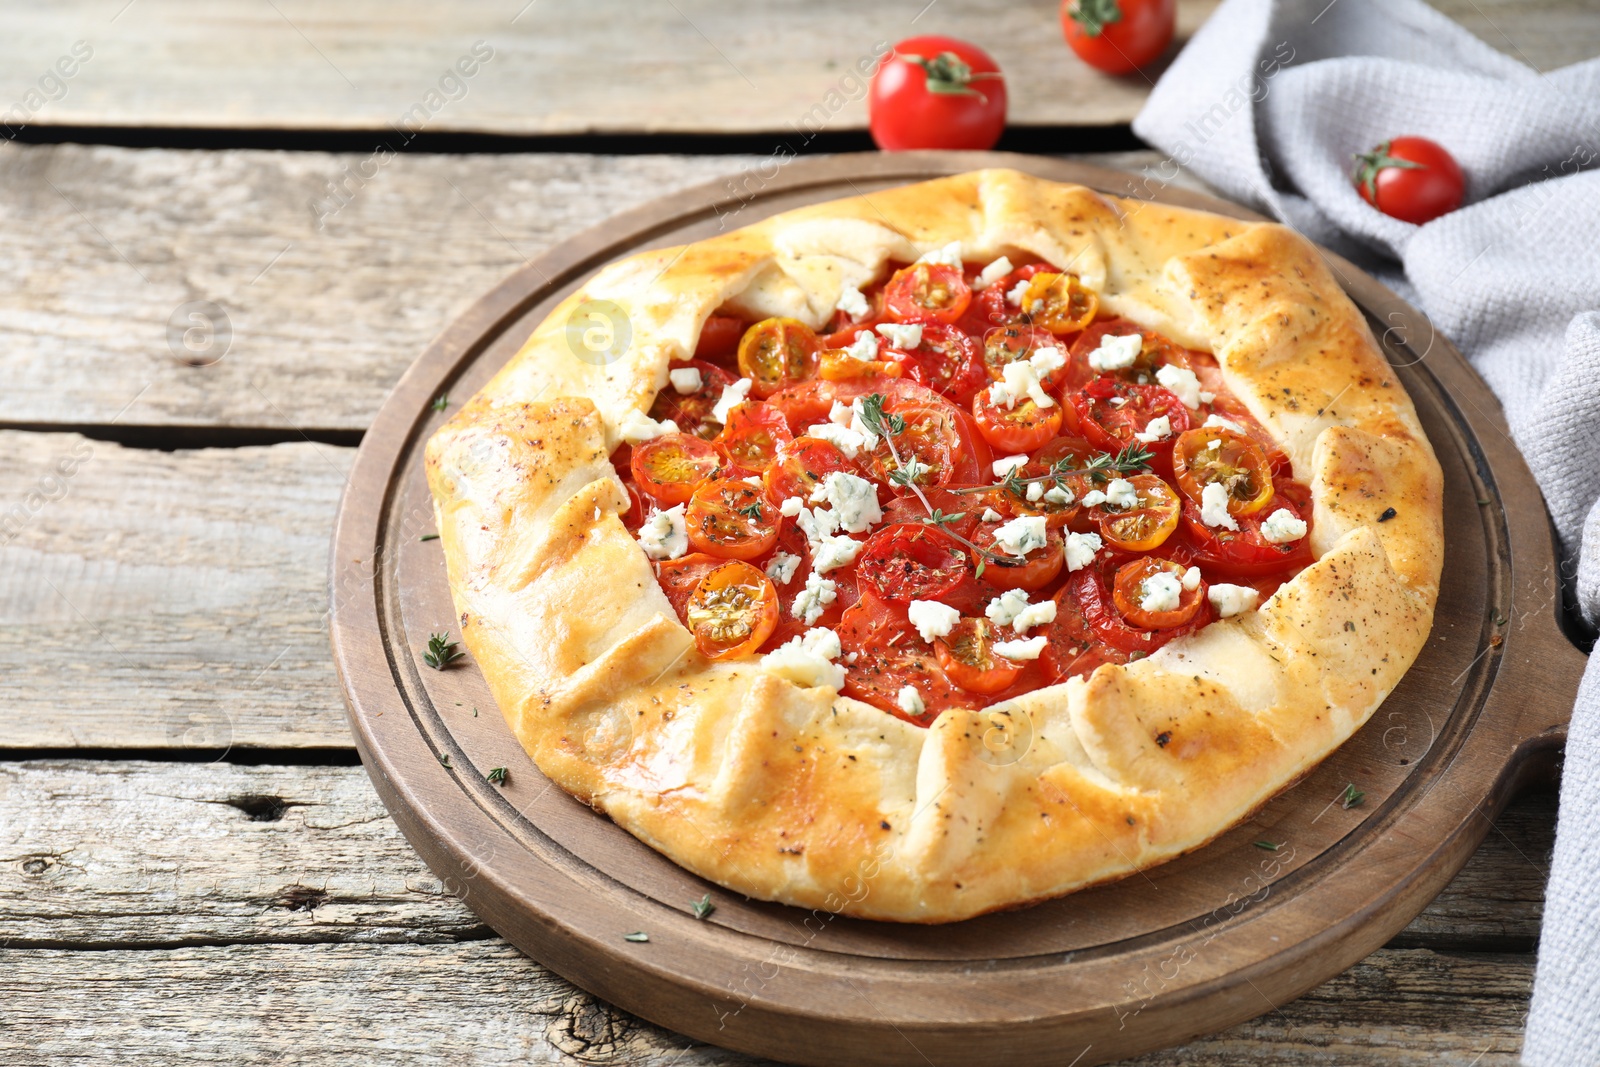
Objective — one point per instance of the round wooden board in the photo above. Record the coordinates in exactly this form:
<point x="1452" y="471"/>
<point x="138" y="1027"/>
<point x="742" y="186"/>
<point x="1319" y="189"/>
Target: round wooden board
<point x="1216" y="937"/>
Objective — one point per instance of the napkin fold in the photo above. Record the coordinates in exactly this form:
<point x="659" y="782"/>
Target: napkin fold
<point x="1269" y="103"/>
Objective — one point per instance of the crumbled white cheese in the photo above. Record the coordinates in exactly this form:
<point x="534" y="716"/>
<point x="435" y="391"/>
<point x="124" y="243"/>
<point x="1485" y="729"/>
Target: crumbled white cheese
<point x="852" y="303"/>
<point x="931" y="618"/>
<point x="1229" y="600"/>
<point x="1080" y="550"/>
<point x="816" y="523"/>
<point x="782" y="566"/>
<point x="1035" y="492"/>
<point x="906" y="337"/>
<point x="791" y="506"/>
<point x="1058" y="495"/>
<point x="949" y="255"/>
<point x="1014" y="297"/>
<point x="1206" y="398"/>
<point x="1093" y="498"/>
<point x="1007" y="606"/>
<point x="864" y="347"/>
<point x="1282" y="527"/>
<point x="991" y="515"/>
<point x="732" y="396"/>
<point x="636" y="427"/>
<point x="910" y="700"/>
<point x="1120" y="493"/>
<point x="843" y="438"/>
<point x="1021" y="535"/>
<point x="665" y="535"/>
<point x="1003" y="467"/>
<point x="858" y="422"/>
<point x="1214" y="507"/>
<point x="1023" y="648"/>
<point x="1226" y="424"/>
<point x="1160" y="592"/>
<point x="1021" y="378"/>
<point x="1191" y="579"/>
<point x="1116" y="352"/>
<point x="854" y="500"/>
<point x="841" y="413"/>
<point x="751" y="479"/>
<point x="807" y="660"/>
<point x="1180" y="380"/>
<point x="994" y="272"/>
<point x="813" y="600"/>
<point x="831" y="553"/>
<point x="1157" y="429"/>
<point x="1117" y="401"/>
<point x="1046" y="360"/>
<point x="1034" y="615"/>
<point x="687" y="380"/>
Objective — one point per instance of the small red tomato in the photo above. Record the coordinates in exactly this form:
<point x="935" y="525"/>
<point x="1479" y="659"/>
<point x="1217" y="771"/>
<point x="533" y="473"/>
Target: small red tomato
<point x="1411" y="179"/>
<point x="1118" y="36"/>
<point x="937" y="92"/>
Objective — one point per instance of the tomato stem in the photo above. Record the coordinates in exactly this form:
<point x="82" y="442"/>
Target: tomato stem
<point x="949" y="75"/>
<point x="1095" y="15"/>
<point x="1370" y="163"/>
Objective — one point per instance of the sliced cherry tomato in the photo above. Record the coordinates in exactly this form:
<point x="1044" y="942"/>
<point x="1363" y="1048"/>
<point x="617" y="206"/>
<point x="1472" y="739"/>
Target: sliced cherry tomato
<point x="1118" y="36"/>
<point x="947" y="361"/>
<point x="1155" y="351"/>
<point x="911" y="562"/>
<point x="731" y="518"/>
<point x="1109" y="412"/>
<point x="934" y="292"/>
<point x="1130" y="588"/>
<point x="992" y="307"/>
<point x="753" y="436"/>
<point x="1007" y="344"/>
<point x="801" y="466"/>
<point x="775" y="353"/>
<point x="1212" y="455"/>
<point x="1089" y="590"/>
<point x="1059" y="303"/>
<point x="1021" y="427"/>
<point x="719" y="337"/>
<point x="1412" y="179"/>
<point x="933" y="437"/>
<point x="966" y="655"/>
<point x="633" y="518"/>
<point x="1145" y="525"/>
<point x="1244" y="552"/>
<point x="1072" y="649"/>
<point x="668" y="469"/>
<point x="936" y="92"/>
<point x="732" y="610"/>
<point x="692" y="411"/>
<point x="891" y="655"/>
<point x="838" y="366"/>
<point x="678" y="578"/>
<point x="1043" y="462"/>
<point x="1034" y="571"/>
<point x="909" y="508"/>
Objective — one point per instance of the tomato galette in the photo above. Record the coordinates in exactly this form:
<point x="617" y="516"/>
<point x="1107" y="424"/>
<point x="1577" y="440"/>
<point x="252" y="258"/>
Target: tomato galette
<point x="945" y="548"/>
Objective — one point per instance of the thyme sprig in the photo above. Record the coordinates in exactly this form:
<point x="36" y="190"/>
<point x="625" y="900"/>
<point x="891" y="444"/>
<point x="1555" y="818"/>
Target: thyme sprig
<point x="441" y="652"/>
<point x="1134" y="459"/>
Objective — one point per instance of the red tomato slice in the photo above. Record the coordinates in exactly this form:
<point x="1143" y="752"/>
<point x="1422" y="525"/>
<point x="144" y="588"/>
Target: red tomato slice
<point x="692" y="411"/>
<point x="909" y="508"/>
<point x="1155" y="351"/>
<point x="1089" y="589"/>
<point x="1034" y="571"/>
<point x="731" y="518"/>
<point x="732" y="611"/>
<point x="1109" y="412"/>
<point x="948" y="362"/>
<point x="1246" y="553"/>
<point x="931" y="292"/>
<point x="669" y="468"/>
<point x="1021" y="427"/>
<point x="1042" y="462"/>
<point x="1007" y="344"/>
<point x="967" y="657"/>
<point x="801" y="466"/>
<point x="889" y="656"/>
<point x="1128" y="593"/>
<point x="1058" y="302"/>
<point x="912" y="562"/>
<point x="1146" y="524"/>
<point x="719" y="337"/>
<point x="775" y="353"/>
<point x="1212" y="455"/>
<point x="678" y="578"/>
<point x="753" y="436"/>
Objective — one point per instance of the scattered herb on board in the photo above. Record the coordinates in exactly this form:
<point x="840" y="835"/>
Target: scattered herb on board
<point x="1269" y="846"/>
<point x="441" y="401"/>
<point x="1352" y="797"/>
<point x="637" y="935"/>
<point x="444" y="761"/>
<point x="428" y="537"/>
<point x="497" y="775"/>
<point x="441" y="651"/>
<point x="703" y="907"/>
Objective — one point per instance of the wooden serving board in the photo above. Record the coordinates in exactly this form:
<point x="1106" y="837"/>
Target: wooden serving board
<point x="1221" y="935"/>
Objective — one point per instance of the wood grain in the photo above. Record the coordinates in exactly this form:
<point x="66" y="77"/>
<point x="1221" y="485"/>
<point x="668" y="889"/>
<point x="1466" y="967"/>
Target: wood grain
<point x="481" y="1003"/>
<point x="168" y="599"/>
<point x="690" y="66"/>
<point x="139" y="854"/>
<point x="111" y="242"/>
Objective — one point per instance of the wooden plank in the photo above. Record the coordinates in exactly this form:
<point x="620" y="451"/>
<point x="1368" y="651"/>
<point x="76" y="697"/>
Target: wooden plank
<point x="604" y="65"/>
<point x="690" y="66"/>
<point x="167" y="599"/>
<point x="141" y="854"/>
<point x="322" y="321"/>
<point x="481" y="1003"/>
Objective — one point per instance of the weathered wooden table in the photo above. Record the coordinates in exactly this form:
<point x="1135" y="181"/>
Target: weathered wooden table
<point x="193" y="866"/>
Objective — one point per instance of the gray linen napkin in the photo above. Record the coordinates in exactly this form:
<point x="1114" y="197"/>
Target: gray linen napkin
<point x="1268" y="103"/>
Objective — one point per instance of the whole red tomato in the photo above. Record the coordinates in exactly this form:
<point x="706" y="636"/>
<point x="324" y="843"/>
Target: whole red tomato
<point x="1118" y="36"/>
<point x="1412" y="179"/>
<point x="937" y="92"/>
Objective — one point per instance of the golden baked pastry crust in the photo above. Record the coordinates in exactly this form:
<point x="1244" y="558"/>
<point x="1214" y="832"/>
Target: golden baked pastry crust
<point x="803" y="796"/>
